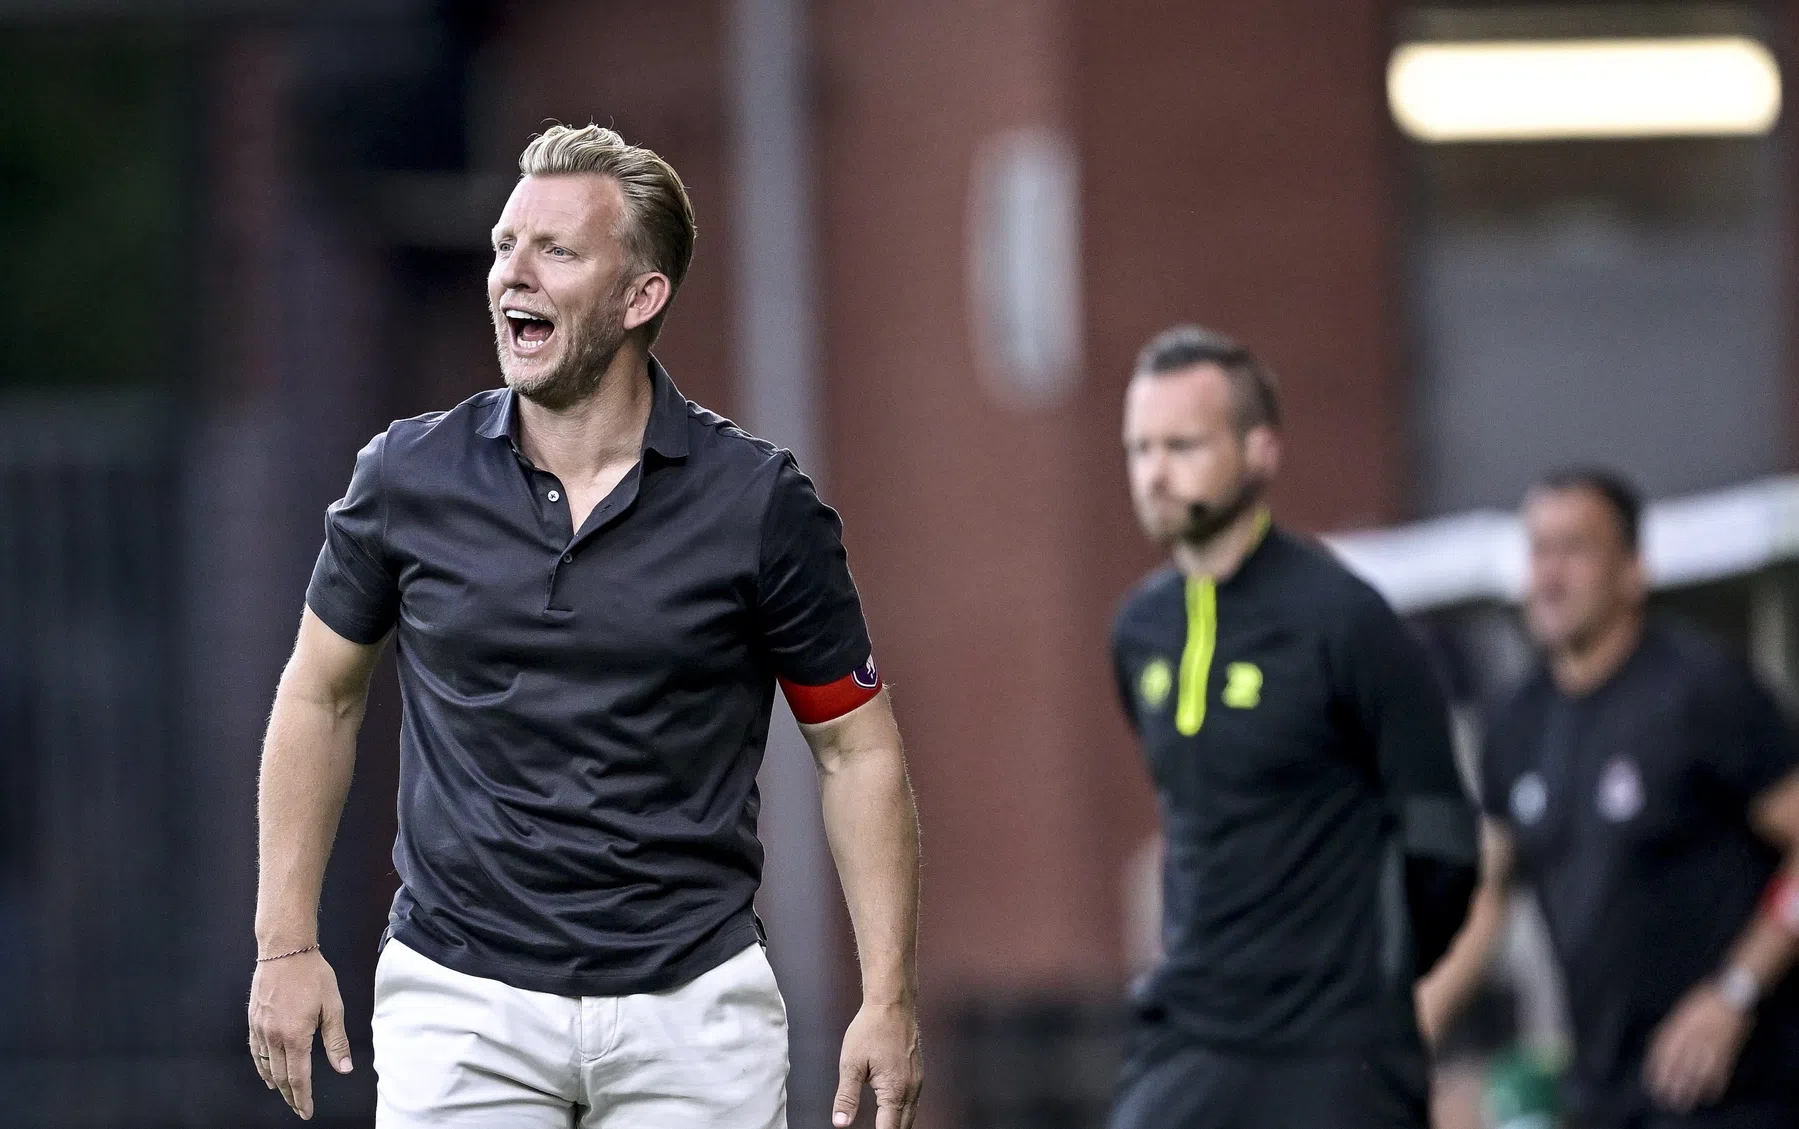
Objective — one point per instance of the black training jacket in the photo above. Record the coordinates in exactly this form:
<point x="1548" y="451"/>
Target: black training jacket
<point x="1321" y="851"/>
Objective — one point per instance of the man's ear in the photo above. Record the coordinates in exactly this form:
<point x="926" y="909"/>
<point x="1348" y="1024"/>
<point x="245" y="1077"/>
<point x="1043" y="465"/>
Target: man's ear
<point x="647" y="297"/>
<point x="1262" y="451"/>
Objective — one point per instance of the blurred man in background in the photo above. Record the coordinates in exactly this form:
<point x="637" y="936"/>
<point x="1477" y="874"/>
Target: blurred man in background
<point x="595" y="587"/>
<point x="1645" y="787"/>
<point x="1320" y="851"/>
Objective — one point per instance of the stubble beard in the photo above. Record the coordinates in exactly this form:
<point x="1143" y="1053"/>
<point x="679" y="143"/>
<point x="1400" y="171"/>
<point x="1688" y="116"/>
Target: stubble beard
<point x="1205" y="522"/>
<point x="587" y="354"/>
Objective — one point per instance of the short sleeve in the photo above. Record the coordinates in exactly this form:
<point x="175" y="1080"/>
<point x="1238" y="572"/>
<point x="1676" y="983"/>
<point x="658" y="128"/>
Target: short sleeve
<point x="353" y="586"/>
<point x="1754" y="747"/>
<point x="808" y="611"/>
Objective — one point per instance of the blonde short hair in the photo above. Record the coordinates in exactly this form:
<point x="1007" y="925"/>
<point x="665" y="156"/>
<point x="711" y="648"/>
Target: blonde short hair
<point x="658" y="229"/>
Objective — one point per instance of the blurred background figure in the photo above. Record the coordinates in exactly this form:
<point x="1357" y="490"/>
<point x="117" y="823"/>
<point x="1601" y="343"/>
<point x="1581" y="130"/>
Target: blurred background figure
<point x="1648" y="790"/>
<point x="1320" y="851"/>
<point x="243" y="235"/>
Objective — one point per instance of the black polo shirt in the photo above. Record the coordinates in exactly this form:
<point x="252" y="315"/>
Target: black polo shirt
<point x="1301" y="753"/>
<point x="584" y="712"/>
<point x="1628" y="808"/>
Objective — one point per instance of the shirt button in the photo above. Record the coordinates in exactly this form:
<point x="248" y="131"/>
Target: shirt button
<point x="568" y="558"/>
<point x="555" y="496"/>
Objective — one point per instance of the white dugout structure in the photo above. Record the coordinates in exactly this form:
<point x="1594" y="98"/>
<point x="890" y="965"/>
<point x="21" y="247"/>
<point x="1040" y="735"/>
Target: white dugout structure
<point x="1743" y="535"/>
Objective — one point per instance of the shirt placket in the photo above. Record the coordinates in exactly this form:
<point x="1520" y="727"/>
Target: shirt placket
<point x="564" y="542"/>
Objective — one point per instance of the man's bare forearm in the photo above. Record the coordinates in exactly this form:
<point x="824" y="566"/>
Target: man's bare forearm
<point x="307" y="761"/>
<point x="1442" y="994"/>
<point x="1447" y="989"/>
<point x="872" y="824"/>
<point x="1766" y="947"/>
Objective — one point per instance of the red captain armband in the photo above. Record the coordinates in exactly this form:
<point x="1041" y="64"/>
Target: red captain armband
<point x="1781" y="903"/>
<point x="815" y="705"/>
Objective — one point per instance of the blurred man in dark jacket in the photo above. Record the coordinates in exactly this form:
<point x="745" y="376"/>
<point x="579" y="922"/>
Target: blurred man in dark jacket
<point x="1645" y="787"/>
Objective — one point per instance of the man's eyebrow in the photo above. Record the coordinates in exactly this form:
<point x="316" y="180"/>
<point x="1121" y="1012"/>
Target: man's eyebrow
<point x="537" y="239"/>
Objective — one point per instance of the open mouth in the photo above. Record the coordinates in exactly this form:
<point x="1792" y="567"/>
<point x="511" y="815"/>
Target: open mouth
<point x="530" y="333"/>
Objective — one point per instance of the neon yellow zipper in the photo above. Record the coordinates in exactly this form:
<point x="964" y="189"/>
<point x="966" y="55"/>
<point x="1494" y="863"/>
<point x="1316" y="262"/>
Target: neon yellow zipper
<point x="1196" y="657"/>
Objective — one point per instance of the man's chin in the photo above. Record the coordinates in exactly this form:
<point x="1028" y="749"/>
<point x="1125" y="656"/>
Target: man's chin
<point x="1560" y="638"/>
<point x="529" y="379"/>
<point x="523" y="384"/>
<point x="1200" y="535"/>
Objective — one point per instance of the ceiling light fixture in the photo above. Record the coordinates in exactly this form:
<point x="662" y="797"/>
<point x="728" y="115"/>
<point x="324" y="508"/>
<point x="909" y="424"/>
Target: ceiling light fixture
<point x="1539" y="90"/>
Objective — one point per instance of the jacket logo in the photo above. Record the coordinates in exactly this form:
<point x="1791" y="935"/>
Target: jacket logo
<point x="1620" y="796"/>
<point x="1242" y="686"/>
<point x="1155" y="683"/>
<point x="1529" y="799"/>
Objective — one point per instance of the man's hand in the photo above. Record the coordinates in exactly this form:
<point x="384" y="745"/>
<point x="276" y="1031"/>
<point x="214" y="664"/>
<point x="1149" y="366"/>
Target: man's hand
<point x="306" y="765"/>
<point x="1694" y="1051"/>
<point x="880" y="1049"/>
<point x="289" y="1000"/>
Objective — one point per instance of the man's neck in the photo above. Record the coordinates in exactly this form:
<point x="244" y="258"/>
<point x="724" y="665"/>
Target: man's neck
<point x="1580" y="671"/>
<point x="595" y="433"/>
<point x="1220" y="557"/>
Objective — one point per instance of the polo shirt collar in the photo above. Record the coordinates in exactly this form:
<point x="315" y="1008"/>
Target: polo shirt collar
<point x="666" y="433"/>
<point x="498" y="424"/>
